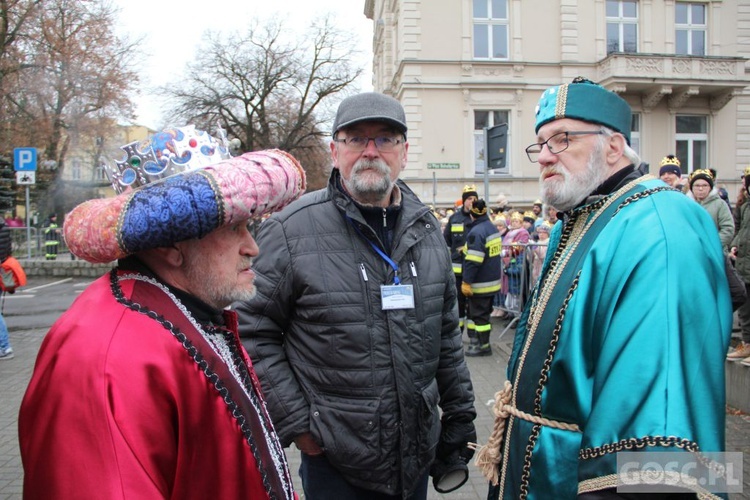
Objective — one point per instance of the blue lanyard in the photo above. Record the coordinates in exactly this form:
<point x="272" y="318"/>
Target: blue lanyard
<point x="394" y="266"/>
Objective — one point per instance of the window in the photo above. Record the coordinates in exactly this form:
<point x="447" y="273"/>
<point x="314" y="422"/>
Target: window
<point x="691" y="142"/>
<point x="690" y="25"/>
<point x="491" y="29"/>
<point x="483" y="120"/>
<point x="76" y="170"/>
<point x="100" y="173"/>
<point x="622" y="26"/>
<point x="635" y="133"/>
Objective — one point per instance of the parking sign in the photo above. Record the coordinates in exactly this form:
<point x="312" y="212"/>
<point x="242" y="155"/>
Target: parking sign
<point x="24" y="159"/>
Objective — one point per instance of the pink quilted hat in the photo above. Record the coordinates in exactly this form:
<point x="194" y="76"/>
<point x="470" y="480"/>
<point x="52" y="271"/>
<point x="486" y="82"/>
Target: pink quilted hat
<point x="184" y="205"/>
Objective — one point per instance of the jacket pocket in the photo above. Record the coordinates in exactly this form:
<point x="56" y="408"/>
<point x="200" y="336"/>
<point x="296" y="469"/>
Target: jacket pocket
<point x="429" y="422"/>
<point x="349" y="431"/>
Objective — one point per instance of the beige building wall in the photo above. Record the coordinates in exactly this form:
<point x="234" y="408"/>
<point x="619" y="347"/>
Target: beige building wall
<point x="424" y="56"/>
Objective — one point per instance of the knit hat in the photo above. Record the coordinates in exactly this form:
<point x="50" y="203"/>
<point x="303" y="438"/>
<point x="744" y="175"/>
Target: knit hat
<point x="584" y="100"/>
<point x="670" y="163"/>
<point x="544" y="227"/>
<point x="186" y="205"/>
<point x="370" y="106"/>
<point x="701" y="174"/>
<point x="469" y="191"/>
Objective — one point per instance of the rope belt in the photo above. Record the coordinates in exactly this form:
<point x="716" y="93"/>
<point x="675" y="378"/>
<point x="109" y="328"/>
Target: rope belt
<point x="488" y="456"/>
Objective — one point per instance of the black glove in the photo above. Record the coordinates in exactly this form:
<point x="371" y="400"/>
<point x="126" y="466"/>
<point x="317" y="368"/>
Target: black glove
<point x="450" y="471"/>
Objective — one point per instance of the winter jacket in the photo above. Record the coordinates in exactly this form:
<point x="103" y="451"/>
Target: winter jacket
<point x="365" y="382"/>
<point x="721" y="215"/>
<point x="742" y="241"/>
<point x="482" y="265"/>
<point x="455" y="236"/>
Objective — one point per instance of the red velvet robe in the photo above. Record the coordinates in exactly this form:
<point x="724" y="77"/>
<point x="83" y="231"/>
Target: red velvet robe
<point x="117" y="408"/>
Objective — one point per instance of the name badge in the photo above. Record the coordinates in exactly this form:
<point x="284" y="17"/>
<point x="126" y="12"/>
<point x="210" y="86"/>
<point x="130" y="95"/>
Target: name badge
<point x="397" y="296"/>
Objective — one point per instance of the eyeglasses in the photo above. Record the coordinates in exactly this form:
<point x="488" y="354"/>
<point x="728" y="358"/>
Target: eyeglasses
<point x="556" y="144"/>
<point x="383" y="144"/>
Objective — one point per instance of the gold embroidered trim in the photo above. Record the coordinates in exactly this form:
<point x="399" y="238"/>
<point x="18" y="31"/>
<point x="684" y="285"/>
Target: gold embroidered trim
<point x="561" y="102"/>
<point x="597" y="483"/>
<point x="671" y="477"/>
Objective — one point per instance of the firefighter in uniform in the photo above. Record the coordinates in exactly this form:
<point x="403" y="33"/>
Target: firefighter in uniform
<point x="481" y="277"/>
<point x="455" y="236"/>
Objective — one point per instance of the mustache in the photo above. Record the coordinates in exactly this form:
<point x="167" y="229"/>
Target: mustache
<point x="365" y="164"/>
<point x="550" y="171"/>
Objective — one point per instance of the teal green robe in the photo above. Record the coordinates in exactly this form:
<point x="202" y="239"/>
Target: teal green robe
<point x="632" y="352"/>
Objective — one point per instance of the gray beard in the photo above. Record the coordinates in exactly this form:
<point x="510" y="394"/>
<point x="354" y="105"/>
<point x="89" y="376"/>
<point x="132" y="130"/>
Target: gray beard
<point x="369" y="192"/>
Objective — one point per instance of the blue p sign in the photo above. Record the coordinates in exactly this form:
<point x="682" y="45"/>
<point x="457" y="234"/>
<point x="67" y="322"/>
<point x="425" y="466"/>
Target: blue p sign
<point x="24" y="159"/>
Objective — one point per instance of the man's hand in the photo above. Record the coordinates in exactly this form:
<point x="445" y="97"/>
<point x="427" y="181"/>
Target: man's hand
<point x="466" y="289"/>
<point x="307" y="445"/>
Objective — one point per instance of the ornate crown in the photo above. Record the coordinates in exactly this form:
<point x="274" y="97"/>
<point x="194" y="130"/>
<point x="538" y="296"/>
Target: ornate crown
<point x="670" y="160"/>
<point x="166" y="153"/>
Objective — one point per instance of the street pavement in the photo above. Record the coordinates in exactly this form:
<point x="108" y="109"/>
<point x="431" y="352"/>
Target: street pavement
<point x="488" y="374"/>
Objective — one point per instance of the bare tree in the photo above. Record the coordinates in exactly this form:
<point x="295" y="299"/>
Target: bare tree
<point x="267" y="91"/>
<point x="79" y="74"/>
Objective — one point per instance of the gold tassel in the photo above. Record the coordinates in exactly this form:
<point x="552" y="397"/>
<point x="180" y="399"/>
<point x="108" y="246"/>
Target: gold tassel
<point x="488" y="457"/>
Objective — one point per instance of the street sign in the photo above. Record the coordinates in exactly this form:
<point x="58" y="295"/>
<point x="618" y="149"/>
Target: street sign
<point x="25" y="177"/>
<point x="24" y="159"/>
<point x="449" y="166"/>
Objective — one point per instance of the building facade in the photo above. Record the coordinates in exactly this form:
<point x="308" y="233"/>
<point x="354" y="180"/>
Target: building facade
<point x="461" y="66"/>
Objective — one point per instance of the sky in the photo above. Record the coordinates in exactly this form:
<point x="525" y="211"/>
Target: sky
<point x="173" y="28"/>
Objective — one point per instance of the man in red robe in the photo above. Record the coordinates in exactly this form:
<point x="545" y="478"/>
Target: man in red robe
<point x="142" y="388"/>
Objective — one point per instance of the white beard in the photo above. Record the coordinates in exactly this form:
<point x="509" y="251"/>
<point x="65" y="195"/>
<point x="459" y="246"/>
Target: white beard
<point x="567" y="193"/>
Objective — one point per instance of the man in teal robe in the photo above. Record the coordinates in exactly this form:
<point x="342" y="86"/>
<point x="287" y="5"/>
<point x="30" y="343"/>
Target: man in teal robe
<point x="621" y="345"/>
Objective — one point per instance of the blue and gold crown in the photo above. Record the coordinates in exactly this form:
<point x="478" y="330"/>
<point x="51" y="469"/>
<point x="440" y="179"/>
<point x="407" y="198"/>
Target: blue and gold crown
<point x="166" y="153"/>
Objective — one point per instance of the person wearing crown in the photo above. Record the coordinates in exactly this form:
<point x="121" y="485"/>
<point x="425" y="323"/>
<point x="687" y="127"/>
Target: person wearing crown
<point x="142" y="388"/>
<point x="481" y="277"/>
<point x="701" y="189"/>
<point x="455" y="236"/>
<point x="609" y="354"/>
<point x="670" y="172"/>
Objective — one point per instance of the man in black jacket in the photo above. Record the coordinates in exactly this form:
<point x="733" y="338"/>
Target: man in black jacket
<point x="353" y="331"/>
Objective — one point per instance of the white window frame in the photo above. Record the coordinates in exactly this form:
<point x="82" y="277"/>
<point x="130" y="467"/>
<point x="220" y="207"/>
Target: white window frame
<point x="690" y="28"/>
<point x="75" y="171"/>
<point x="690" y="139"/>
<point x="489" y="23"/>
<point x="621" y="21"/>
<point x="480" y="146"/>
<point x="635" y="133"/>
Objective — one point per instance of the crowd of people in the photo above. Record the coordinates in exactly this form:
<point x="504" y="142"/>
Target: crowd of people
<point x="338" y="323"/>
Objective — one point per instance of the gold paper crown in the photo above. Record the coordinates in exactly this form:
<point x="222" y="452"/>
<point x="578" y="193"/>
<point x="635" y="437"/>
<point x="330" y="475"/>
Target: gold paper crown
<point x="529" y="214"/>
<point x="746" y="172"/>
<point x="670" y="160"/>
<point x="517" y="216"/>
<point x="538" y="202"/>
<point x="470" y="188"/>
<point x="701" y="173"/>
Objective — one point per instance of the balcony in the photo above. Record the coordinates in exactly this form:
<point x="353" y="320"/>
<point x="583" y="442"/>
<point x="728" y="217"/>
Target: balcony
<point x="675" y="78"/>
